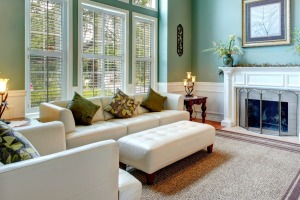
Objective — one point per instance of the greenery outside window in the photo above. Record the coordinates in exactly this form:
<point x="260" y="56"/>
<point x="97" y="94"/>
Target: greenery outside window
<point x="144" y="52"/>
<point x="102" y="50"/>
<point x="150" y="4"/>
<point x="46" y="52"/>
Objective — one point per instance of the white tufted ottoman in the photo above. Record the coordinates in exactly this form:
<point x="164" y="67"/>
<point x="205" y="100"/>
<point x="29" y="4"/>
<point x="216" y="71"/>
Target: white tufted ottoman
<point x="153" y="149"/>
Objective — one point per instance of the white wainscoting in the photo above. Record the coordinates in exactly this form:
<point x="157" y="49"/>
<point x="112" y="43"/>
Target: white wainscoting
<point x="16" y="104"/>
<point x="213" y="91"/>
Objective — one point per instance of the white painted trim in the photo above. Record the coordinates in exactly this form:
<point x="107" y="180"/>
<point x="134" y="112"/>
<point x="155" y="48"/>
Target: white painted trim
<point x="155" y="8"/>
<point x="70" y="48"/>
<point x="125" y="1"/>
<point x="154" y="52"/>
<point x="16" y="93"/>
<point x="162" y="87"/>
<point x="66" y="51"/>
<point x="16" y="104"/>
<point x="110" y="9"/>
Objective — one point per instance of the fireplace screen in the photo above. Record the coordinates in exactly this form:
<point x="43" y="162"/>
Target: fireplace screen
<point x="272" y="112"/>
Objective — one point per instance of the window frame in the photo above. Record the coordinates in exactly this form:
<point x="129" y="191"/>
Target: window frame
<point x="150" y="8"/>
<point x="108" y="9"/>
<point x="66" y="52"/>
<point x="125" y="1"/>
<point x="154" y="44"/>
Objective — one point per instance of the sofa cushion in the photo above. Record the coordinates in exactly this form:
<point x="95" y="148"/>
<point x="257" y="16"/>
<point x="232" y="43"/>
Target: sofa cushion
<point x="99" y="116"/>
<point x="98" y="131"/>
<point x="14" y="147"/>
<point x="169" y="116"/>
<point x="129" y="186"/>
<point x="122" y="105"/>
<point x="83" y="110"/>
<point x="140" y="109"/>
<point x="154" y="101"/>
<point x="138" y="123"/>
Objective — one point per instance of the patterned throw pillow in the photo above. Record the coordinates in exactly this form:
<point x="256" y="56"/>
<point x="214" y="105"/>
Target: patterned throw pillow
<point x="14" y="147"/>
<point x="154" y="101"/>
<point x="122" y="105"/>
<point x="83" y="110"/>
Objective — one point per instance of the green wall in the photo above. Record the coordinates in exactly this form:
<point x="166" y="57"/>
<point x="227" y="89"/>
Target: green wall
<point x="12" y="43"/>
<point x="173" y="68"/>
<point x="215" y="19"/>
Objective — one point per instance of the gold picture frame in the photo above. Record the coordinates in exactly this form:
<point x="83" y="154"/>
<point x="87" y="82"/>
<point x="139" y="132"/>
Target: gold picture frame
<point x="266" y="23"/>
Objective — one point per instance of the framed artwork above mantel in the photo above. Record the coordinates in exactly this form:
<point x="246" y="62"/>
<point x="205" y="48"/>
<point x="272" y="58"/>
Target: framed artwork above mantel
<point x="266" y="23"/>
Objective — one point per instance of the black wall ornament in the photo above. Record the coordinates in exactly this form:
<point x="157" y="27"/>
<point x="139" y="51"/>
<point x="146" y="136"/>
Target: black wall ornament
<point x="179" y="40"/>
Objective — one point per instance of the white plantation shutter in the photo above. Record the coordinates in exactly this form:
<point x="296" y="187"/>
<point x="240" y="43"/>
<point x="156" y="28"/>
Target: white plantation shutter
<point x="143" y="54"/>
<point x="103" y="35"/>
<point x="146" y="3"/>
<point x="45" y="52"/>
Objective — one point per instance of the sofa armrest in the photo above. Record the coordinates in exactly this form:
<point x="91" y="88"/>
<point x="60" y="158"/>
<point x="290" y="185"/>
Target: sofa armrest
<point x="47" y="138"/>
<point x="86" y="172"/>
<point x="174" y="101"/>
<point x="50" y="112"/>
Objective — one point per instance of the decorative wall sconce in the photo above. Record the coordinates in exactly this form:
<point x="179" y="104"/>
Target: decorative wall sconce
<point x="189" y="84"/>
<point x="4" y="95"/>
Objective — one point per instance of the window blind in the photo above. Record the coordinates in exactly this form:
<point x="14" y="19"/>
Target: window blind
<point x="143" y="49"/>
<point x="102" y="52"/>
<point x="45" y="51"/>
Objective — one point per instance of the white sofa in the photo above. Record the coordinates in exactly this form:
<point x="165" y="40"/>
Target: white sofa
<point x="105" y="126"/>
<point x="84" y="173"/>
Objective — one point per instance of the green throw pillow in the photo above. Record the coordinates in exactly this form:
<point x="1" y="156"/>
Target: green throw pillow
<point x="122" y="105"/>
<point x="14" y="147"/>
<point x="154" y="101"/>
<point x="83" y="110"/>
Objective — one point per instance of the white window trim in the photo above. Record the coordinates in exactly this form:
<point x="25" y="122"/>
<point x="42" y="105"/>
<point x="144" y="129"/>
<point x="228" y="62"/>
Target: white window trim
<point x="154" y="41"/>
<point x="125" y="1"/>
<point x="150" y="8"/>
<point x="68" y="58"/>
<point x="125" y="70"/>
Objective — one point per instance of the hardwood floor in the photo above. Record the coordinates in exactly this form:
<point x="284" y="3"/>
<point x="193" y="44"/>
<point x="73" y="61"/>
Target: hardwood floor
<point x="217" y="125"/>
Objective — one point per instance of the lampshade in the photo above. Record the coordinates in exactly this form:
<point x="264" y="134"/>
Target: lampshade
<point x="3" y="85"/>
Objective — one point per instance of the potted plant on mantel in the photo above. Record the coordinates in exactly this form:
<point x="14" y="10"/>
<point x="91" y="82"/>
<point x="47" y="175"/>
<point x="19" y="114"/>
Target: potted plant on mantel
<point x="296" y="40"/>
<point x="226" y="50"/>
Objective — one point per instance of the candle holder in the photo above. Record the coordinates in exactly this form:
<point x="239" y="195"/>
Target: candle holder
<point x="189" y="84"/>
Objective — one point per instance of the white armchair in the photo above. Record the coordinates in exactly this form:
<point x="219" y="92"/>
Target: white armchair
<point x="86" y="172"/>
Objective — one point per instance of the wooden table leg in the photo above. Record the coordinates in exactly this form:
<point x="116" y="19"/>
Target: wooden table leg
<point x="150" y="178"/>
<point x="190" y="109"/>
<point x="203" y="108"/>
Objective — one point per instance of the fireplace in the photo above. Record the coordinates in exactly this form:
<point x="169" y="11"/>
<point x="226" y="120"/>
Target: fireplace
<point x="272" y="94"/>
<point x="272" y="112"/>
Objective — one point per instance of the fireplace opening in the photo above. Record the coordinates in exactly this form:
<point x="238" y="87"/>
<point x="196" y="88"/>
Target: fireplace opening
<point x="272" y="112"/>
<point x="270" y="115"/>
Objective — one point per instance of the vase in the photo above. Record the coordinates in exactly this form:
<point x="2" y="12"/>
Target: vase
<point x="228" y="60"/>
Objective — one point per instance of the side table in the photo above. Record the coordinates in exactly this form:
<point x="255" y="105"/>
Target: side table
<point x="198" y="100"/>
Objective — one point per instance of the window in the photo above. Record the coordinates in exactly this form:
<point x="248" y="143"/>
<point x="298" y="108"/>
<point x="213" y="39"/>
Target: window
<point x="46" y="53"/>
<point x="102" y="50"/>
<point x="151" y="4"/>
<point x="144" y="53"/>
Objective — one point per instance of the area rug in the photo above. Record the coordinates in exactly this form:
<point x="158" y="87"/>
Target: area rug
<point x="240" y="167"/>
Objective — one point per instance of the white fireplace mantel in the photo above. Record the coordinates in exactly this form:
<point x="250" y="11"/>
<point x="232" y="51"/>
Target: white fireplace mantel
<point x="283" y="78"/>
